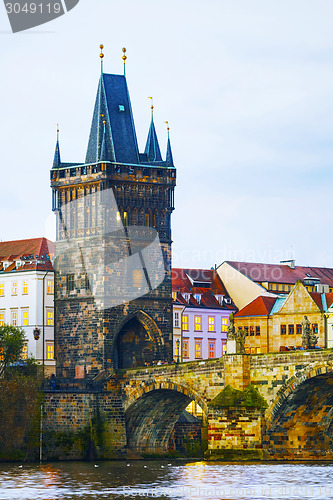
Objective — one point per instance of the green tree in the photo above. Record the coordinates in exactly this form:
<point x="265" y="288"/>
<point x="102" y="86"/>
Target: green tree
<point x="12" y="339"/>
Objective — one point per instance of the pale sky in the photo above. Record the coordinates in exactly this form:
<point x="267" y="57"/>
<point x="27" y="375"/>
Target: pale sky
<point x="247" y="87"/>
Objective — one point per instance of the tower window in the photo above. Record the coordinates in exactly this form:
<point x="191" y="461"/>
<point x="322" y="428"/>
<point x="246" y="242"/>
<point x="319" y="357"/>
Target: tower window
<point x="121" y="108"/>
<point x="146" y="219"/>
<point x="70" y="282"/>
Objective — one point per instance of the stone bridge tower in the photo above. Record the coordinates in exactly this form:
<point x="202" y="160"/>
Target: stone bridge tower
<point x="112" y="293"/>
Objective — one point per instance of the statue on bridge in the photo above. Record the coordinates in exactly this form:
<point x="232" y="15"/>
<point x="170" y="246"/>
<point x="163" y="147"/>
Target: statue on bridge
<point x="309" y="338"/>
<point x="235" y="340"/>
<point x="231" y="334"/>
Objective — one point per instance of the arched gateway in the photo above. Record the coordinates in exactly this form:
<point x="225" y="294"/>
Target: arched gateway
<point x="138" y="342"/>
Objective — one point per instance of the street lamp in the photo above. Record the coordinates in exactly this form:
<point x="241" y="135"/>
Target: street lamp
<point x="36" y="333"/>
<point x="178" y="346"/>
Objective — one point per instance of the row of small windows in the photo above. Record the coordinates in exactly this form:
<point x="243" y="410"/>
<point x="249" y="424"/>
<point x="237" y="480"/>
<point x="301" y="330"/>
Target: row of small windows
<point x="14" y="318"/>
<point x="251" y="331"/>
<point x="287" y="288"/>
<point x="17" y="288"/>
<point x="291" y="329"/>
<point x="211" y="326"/>
<point x="198" y="348"/>
<point x="49" y="351"/>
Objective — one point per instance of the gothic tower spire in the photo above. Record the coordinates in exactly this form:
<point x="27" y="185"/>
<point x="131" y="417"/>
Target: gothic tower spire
<point x="169" y="157"/>
<point x="152" y="149"/>
<point x="57" y="160"/>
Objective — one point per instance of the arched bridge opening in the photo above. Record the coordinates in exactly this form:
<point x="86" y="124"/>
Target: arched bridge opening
<point x="138" y="342"/>
<point x="152" y="420"/>
<point x="301" y="423"/>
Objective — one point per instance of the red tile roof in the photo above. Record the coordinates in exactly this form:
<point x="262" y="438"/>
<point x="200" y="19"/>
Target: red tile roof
<point x="184" y="281"/>
<point x="329" y="299"/>
<point x="261" y="306"/>
<point x="282" y="273"/>
<point x="35" y="246"/>
<point x="35" y="254"/>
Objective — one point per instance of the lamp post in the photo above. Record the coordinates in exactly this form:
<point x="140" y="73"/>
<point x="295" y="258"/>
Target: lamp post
<point x="36" y="333"/>
<point x="178" y="346"/>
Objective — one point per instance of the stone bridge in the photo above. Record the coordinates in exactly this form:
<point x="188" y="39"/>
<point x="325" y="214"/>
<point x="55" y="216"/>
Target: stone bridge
<point x="264" y="406"/>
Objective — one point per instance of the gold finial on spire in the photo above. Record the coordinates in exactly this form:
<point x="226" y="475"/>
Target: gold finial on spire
<point x="101" y="56"/>
<point x="57" y="131"/>
<point x="124" y="59"/>
<point x="167" y="124"/>
<point x="152" y="106"/>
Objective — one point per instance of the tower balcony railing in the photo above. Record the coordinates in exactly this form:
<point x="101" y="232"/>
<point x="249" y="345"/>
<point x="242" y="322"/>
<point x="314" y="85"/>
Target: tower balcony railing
<point x="74" y="173"/>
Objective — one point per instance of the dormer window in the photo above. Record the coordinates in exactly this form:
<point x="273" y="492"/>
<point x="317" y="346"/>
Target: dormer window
<point x="197" y="297"/>
<point x="219" y="299"/>
<point x="186" y="297"/>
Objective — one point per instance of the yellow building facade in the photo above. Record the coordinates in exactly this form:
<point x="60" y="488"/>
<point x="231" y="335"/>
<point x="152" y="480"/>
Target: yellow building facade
<point x="276" y="325"/>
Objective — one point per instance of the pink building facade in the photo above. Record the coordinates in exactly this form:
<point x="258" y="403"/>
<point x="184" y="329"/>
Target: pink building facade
<point x="201" y="310"/>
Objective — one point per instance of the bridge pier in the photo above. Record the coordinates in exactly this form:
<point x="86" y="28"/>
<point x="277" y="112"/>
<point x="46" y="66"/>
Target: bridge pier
<point x="236" y="425"/>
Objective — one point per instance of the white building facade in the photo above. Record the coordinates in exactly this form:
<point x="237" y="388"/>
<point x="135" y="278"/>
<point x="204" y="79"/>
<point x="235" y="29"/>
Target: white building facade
<point x="26" y="295"/>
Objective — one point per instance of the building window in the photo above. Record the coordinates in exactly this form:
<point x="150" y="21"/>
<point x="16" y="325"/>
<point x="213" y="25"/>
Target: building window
<point x="211" y="323"/>
<point x="14" y="318"/>
<point x="49" y="318"/>
<point x="49" y="350"/>
<point x="211" y="348"/>
<point x="125" y="218"/>
<point x="315" y="328"/>
<point x="257" y="330"/>
<point x="283" y="288"/>
<point x="25" y="321"/>
<point x="185" y="348"/>
<point x="14" y="288"/>
<point x="50" y="287"/>
<point x="176" y="319"/>
<point x="283" y="330"/>
<point x="2" y="289"/>
<point x="246" y="328"/>
<point x="146" y="219"/>
<point x="177" y="347"/>
<point x="298" y="329"/>
<point x="197" y="297"/>
<point x="2" y="318"/>
<point x="25" y="288"/>
<point x="224" y="325"/>
<point x="185" y="322"/>
<point x="224" y="346"/>
<point x="25" y="351"/>
<point x="251" y="331"/>
<point x="197" y="324"/>
<point x="291" y="330"/>
<point x="70" y="282"/>
<point x="270" y="286"/>
<point x="198" y="348"/>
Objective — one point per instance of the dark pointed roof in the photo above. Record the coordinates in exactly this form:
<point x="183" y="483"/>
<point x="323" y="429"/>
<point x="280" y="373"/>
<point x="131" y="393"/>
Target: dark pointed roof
<point x="113" y="106"/>
<point x="104" y="149"/>
<point x="57" y="160"/>
<point x="169" y="157"/>
<point x="152" y="149"/>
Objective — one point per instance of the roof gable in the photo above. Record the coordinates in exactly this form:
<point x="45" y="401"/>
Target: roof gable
<point x="300" y="301"/>
<point x="261" y="306"/>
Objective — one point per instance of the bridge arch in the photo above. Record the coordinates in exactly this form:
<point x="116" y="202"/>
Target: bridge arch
<point x="137" y="341"/>
<point x="299" y="422"/>
<point x="151" y="413"/>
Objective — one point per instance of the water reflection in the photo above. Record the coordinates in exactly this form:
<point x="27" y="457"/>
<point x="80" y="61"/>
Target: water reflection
<point x="165" y="480"/>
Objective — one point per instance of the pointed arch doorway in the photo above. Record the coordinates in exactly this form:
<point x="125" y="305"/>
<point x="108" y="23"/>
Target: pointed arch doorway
<point x="139" y="342"/>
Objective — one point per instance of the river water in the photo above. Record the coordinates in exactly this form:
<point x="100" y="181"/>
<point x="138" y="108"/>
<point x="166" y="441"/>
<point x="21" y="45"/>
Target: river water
<point x="183" y="480"/>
